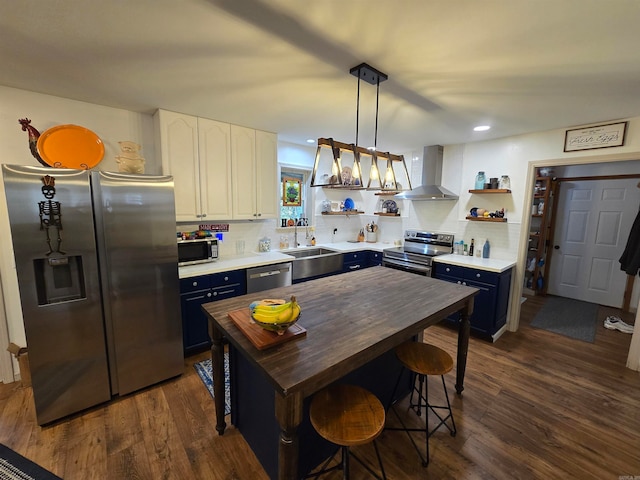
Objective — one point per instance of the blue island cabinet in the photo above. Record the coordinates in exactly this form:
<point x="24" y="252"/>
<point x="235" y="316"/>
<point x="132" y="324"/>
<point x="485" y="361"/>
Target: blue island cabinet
<point x="194" y="292"/>
<point x="491" y="303"/>
<point x="253" y="403"/>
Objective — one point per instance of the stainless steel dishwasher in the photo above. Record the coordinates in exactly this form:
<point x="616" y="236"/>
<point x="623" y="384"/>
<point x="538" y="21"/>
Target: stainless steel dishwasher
<point x="271" y="276"/>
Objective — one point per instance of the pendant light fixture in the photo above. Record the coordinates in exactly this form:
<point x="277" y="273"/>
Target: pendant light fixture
<point x="338" y="176"/>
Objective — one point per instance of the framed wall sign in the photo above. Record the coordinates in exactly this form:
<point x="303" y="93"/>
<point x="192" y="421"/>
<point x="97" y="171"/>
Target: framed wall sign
<point x="598" y="136"/>
<point x="291" y="192"/>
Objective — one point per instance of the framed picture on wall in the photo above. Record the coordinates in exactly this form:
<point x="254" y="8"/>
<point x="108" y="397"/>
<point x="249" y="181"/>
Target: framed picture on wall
<point x="291" y="192"/>
<point x="598" y="136"/>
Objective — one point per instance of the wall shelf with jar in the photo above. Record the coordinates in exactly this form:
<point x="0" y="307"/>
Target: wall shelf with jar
<point x="491" y="190"/>
<point x="486" y="219"/>
<point x="346" y="212"/>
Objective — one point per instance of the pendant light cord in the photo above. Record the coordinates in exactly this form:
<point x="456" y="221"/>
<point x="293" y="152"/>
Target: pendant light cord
<point x="358" y="109"/>
<point x="375" y="138"/>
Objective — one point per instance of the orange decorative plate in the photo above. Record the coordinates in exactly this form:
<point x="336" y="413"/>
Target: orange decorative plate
<point x="70" y="146"/>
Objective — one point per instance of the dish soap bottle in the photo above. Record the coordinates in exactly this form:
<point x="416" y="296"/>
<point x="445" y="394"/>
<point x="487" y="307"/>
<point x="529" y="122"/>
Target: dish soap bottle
<point x="480" y="180"/>
<point x="471" y="248"/>
<point x="485" y="249"/>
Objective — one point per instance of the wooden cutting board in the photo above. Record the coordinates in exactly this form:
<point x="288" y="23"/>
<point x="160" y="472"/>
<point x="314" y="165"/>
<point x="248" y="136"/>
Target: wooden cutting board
<point x="258" y="336"/>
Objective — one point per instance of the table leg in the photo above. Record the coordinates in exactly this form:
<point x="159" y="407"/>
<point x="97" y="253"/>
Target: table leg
<point x="289" y="415"/>
<point x="463" y="345"/>
<point x="217" y="363"/>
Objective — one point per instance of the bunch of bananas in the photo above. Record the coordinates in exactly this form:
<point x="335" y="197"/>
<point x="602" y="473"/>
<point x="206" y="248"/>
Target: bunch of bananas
<point x="272" y="312"/>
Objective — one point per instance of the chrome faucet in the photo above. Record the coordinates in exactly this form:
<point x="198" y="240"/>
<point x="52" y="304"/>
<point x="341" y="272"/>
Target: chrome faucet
<point x="295" y="234"/>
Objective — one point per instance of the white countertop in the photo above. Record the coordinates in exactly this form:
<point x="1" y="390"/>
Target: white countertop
<point x="257" y="259"/>
<point x="489" y="264"/>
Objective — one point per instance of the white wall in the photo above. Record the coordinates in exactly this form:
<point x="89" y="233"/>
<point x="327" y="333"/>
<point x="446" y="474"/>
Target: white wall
<point x="514" y="156"/>
<point x="517" y="157"/>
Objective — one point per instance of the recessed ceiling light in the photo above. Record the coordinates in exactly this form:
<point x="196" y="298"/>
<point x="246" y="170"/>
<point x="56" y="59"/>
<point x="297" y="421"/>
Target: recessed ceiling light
<point x="310" y="140"/>
<point x="481" y="128"/>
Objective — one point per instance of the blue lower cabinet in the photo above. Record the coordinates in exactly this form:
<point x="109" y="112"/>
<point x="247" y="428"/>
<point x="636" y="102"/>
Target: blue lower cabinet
<point x="492" y="301"/>
<point x="196" y="291"/>
<point x="375" y="258"/>
<point x="355" y="261"/>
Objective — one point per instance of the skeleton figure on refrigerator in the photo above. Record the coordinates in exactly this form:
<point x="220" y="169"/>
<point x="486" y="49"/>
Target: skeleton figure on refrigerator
<point x="50" y="213"/>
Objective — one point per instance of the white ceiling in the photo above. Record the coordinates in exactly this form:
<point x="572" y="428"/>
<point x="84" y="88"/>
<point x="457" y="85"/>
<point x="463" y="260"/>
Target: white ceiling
<point x="283" y="65"/>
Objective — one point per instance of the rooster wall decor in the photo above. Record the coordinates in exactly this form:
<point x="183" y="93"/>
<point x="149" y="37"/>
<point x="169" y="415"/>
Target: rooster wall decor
<point x="34" y="134"/>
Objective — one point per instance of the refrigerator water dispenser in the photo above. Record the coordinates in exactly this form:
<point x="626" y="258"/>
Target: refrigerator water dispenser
<point x="59" y="279"/>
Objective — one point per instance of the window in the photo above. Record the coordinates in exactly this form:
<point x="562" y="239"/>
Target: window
<point x="294" y="201"/>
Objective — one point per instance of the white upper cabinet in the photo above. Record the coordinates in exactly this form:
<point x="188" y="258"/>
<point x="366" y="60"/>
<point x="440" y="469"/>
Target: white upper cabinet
<point x="215" y="168"/>
<point x="255" y="169"/>
<point x="206" y="158"/>
<point x="178" y="138"/>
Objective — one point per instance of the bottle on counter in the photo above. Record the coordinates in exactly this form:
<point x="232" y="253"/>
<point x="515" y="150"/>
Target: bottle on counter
<point x="471" y="248"/>
<point x="480" y="180"/>
<point x="485" y="249"/>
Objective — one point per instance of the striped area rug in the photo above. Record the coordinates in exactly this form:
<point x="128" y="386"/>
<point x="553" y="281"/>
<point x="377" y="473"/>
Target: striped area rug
<point x="14" y="466"/>
<point x="205" y="373"/>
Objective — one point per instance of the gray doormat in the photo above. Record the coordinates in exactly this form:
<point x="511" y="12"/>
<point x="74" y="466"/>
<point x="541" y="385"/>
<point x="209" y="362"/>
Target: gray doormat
<point x="568" y="317"/>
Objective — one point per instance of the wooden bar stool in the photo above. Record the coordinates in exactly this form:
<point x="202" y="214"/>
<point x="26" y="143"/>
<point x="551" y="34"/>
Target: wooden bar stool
<point x="347" y="415"/>
<point x="423" y="360"/>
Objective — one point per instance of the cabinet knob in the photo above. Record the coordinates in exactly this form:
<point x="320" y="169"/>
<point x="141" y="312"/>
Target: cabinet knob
<point x="448" y="269"/>
<point x="477" y="275"/>
<point x="556" y="247"/>
<point x="459" y="282"/>
<point x="195" y="284"/>
<point x="226" y="279"/>
<point x="209" y="294"/>
<point x="259" y="214"/>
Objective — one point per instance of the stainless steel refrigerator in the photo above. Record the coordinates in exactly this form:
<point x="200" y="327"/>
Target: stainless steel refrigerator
<point x="96" y="260"/>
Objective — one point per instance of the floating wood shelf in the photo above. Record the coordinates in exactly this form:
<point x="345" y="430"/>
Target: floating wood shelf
<point x="486" y="219"/>
<point x="347" y="212"/>
<point x="491" y="190"/>
<point x="339" y="186"/>
<point x="392" y="192"/>
<point x="386" y="214"/>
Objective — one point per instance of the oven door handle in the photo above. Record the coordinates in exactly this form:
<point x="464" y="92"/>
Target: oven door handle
<point x="408" y="267"/>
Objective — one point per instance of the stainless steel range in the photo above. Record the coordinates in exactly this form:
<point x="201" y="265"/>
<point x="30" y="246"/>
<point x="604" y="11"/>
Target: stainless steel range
<point x="418" y="251"/>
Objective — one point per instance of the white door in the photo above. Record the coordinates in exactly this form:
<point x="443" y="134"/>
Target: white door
<point x="592" y="227"/>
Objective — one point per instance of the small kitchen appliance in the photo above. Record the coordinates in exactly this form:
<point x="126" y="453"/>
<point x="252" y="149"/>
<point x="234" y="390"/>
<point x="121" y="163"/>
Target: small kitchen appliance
<point x="198" y="250"/>
<point x="416" y="255"/>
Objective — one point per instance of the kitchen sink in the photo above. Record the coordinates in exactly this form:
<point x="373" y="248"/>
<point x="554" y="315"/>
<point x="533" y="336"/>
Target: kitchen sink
<point x="311" y="252"/>
<point x="314" y="262"/>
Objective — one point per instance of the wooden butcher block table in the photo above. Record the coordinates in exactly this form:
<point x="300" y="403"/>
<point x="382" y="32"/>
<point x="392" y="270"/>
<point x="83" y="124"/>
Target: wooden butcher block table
<point x="350" y="320"/>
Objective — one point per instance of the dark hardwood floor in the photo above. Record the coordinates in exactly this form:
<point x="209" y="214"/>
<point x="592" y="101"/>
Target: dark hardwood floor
<point x="536" y="405"/>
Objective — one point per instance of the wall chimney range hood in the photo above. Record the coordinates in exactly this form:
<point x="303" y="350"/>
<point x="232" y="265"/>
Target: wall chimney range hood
<point x="430" y="188"/>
